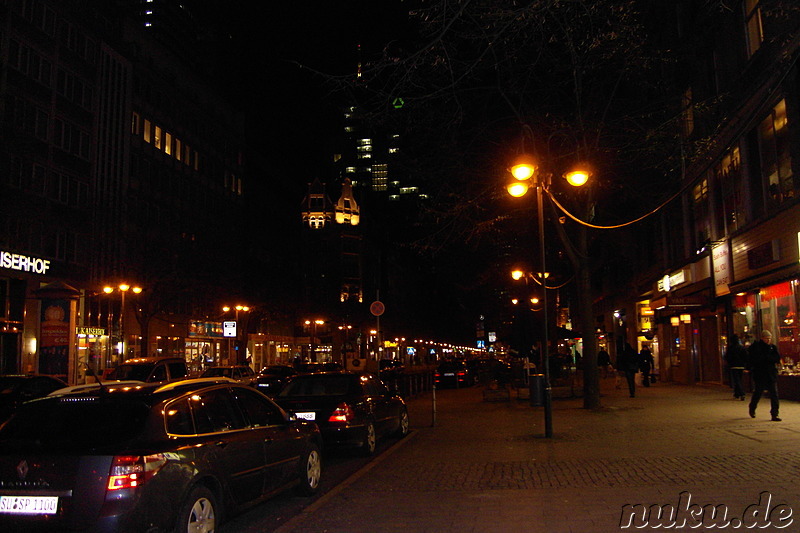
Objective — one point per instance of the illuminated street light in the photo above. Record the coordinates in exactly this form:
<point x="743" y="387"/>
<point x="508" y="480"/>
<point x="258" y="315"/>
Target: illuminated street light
<point x="527" y="174"/>
<point x="314" y="323"/>
<point x="123" y="288"/>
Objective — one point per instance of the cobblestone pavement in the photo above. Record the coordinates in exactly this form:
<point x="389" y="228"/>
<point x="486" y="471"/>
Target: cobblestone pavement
<point x="683" y="451"/>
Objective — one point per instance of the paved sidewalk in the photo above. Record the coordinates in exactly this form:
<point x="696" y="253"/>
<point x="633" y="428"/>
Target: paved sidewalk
<point x="486" y="467"/>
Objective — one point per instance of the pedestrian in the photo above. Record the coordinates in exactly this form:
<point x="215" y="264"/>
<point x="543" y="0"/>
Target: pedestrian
<point x="646" y="363"/>
<point x="628" y="364"/>
<point x="763" y="359"/>
<point x="603" y="361"/>
<point x="736" y="359"/>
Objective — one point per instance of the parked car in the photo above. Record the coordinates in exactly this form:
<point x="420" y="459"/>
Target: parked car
<point x="453" y="374"/>
<point x="272" y="378"/>
<point x="180" y="456"/>
<point x="310" y="367"/>
<point x="17" y="389"/>
<point x="350" y="409"/>
<point x="150" y="369"/>
<point x="241" y="373"/>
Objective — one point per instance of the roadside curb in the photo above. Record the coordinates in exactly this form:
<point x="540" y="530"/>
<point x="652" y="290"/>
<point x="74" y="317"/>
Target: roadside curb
<point x="296" y="520"/>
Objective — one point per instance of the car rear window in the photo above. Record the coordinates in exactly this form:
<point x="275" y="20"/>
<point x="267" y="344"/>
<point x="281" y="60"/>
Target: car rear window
<point x="74" y="423"/>
<point x="132" y="372"/>
<point x="318" y="386"/>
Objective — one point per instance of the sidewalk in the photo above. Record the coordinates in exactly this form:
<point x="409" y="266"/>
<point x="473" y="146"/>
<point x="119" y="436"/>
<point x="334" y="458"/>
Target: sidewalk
<point x="486" y="467"/>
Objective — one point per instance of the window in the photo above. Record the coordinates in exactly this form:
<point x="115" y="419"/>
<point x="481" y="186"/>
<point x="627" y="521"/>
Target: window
<point x="178" y="418"/>
<point x="728" y="176"/>
<point x="753" y="28"/>
<point x="216" y="411"/>
<point x="147" y="131"/>
<point x="168" y="143"/>
<point x="157" y="138"/>
<point x="700" y="212"/>
<point x="259" y="411"/>
<point x="776" y="160"/>
<point x="136" y="125"/>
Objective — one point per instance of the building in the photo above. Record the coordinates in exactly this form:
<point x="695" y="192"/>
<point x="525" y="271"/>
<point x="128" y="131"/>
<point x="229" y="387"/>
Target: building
<point x="732" y="264"/>
<point x="121" y="166"/>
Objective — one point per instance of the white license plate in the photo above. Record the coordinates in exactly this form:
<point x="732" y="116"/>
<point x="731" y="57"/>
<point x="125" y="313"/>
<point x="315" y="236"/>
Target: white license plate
<point x="306" y="416"/>
<point x="29" y="504"/>
<point x="449" y="374"/>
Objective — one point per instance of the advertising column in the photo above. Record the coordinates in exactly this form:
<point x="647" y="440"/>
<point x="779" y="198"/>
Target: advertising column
<point x="57" y="342"/>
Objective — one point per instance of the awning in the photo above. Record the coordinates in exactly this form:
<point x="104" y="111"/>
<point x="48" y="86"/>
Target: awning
<point x="756" y="282"/>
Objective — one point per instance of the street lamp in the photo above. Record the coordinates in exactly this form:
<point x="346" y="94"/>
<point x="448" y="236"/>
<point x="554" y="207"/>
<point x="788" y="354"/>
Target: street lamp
<point x="314" y="323"/>
<point x="123" y="288"/>
<point x="236" y="309"/>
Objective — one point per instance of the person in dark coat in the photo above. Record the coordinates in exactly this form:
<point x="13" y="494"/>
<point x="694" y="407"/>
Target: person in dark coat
<point x="628" y="363"/>
<point x="736" y="359"/>
<point x="646" y="362"/>
<point x="763" y="359"/>
<point x="603" y="361"/>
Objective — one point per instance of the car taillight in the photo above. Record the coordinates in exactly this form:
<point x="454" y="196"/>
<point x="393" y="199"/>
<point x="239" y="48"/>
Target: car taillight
<point x="342" y="413"/>
<point x="130" y="471"/>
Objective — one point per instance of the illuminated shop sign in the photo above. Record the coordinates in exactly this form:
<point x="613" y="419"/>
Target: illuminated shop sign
<point x="24" y="263"/>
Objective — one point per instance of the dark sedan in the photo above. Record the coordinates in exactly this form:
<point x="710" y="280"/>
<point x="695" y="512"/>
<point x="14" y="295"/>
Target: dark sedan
<point x="350" y="409"/>
<point x="241" y="373"/>
<point x="153" y="457"/>
<point x="453" y="374"/>
<point x="17" y="389"/>
<point x="272" y="378"/>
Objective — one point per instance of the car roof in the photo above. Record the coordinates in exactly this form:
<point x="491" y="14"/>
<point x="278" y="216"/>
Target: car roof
<point x="134" y="387"/>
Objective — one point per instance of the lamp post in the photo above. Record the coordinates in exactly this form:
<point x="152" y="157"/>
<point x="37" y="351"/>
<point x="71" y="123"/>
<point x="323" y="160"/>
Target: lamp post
<point x="236" y="309"/>
<point x="314" y="324"/>
<point x="527" y="174"/>
<point x="123" y="288"/>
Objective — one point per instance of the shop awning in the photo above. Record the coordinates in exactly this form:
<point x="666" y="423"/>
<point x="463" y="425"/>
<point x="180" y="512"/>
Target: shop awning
<point x="757" y="282"/>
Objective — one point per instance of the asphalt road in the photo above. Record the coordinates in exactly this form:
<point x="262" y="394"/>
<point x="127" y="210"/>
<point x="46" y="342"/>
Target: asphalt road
<point x="338" y="465"/>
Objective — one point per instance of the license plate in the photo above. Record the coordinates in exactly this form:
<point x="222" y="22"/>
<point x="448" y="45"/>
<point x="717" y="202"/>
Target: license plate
<point x="449" y="374"/>
<point x="306" y="416"/>
<point x="29" y="504"/>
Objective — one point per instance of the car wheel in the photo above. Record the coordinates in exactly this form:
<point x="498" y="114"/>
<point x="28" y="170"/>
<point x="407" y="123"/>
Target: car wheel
<point x="370" y="439"/>
<point x="402" y="428"/>
<point x="198" y="513"/>
<point x="310" y="471"/>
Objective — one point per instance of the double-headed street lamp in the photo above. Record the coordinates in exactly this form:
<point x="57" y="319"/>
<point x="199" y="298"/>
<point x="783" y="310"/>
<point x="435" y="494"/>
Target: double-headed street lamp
<point x="527" y="174"/>
<point x="123" y="288"/>
<point x="314" y="324"/>
<point x="227" y="309"/>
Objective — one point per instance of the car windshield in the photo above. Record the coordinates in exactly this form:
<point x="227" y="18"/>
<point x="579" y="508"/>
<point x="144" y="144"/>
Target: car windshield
<point x="131" y="372"/>
<point x="335" y="385"/>
<point x="74" y="423"/>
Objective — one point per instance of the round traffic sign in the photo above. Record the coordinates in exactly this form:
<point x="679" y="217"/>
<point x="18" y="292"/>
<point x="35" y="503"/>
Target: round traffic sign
<point x="377" y="308"/>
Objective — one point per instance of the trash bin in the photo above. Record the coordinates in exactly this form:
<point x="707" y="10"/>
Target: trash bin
<point x="537" y="389"/>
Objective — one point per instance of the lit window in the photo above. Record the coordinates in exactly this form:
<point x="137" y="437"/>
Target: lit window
<point x="168" y="143"/>
<point x="178" y="152"/>
<point x="755" y="32"/>
<point x="157" y="139"/>
<point x="147" y="126"/>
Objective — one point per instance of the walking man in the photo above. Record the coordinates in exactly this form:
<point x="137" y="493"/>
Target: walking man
<point x="763" y="359"/>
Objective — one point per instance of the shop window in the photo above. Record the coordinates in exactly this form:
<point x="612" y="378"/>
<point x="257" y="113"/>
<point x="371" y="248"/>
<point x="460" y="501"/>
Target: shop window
<point x="778" y="307"/>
